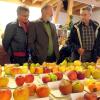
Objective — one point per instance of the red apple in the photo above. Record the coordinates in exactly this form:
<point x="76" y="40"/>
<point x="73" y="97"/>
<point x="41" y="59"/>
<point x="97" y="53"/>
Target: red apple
<point x="65" y="87"/>
<point x="72" y="75"/>
<point x="5" y="94"/>
<point x="46" y="70"/>
<point x="46" y="79"/>
<point x="59" y="75"/>
<point x="20" y="80"/>
<point x="42" y="91"/>
<point x="90" y="96"/>
<point x="29" y="78"/>
<point x="32" y="89"/>
<point x="80" y="75"/>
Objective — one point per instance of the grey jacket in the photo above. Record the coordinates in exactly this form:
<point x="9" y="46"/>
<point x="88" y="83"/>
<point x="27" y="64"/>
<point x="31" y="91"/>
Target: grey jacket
<point x="15" y="39"/>
<point x="38" y="40"/>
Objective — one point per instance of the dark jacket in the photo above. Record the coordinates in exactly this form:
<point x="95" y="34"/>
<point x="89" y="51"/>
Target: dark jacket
<point x="38" y="40"/>
<point x="75" y="40"/>
<point x="15" y="38"/>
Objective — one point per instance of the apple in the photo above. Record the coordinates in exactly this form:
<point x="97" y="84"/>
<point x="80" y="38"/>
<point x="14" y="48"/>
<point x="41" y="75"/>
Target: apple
<point x="32" y="89"/>
<point x="4" y="81"/>
<point x="21" y="93"/>
<point x="32" y="69"/>
<point x="5" y="94"/>
<point x="20" y="80"/>
<point x="64" y="63"/>
<point x="38" y="70"/>
<point x="24" y="68"/>
<point x="77" y="86"/>
<point x="46" y="70"/>
<point x="96" y="74"/>
<point x="42" y="91"/>
<point x="16" y="70"/>
<point x="87" y="73"/>
<point x="65" y="87"/>
<point x="94" y="87"/>
<point x="7" y="68"/>
<point x="90" y="96"/>
<point x="46" y="79"/>
<point x="77" y="63"/>
<point x="25" y="64"/>
<point x="59" y="75"/>
<point x="54" y="69"/>
<point x="0" y="70"/>
<point x="80" y="75"/>
<point x="91" y="68"/>
<point x="53" y="77"/>
<point x="72" y="75"/>
<point x="29" y="78"/>
<point x="62" y="68"/>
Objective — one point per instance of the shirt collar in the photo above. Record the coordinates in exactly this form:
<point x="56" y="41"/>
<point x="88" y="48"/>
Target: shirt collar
<point x="90" y="22"/>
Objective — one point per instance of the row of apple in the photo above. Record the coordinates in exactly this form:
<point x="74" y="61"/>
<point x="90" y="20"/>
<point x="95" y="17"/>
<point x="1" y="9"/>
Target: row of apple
<point x="11" y="70"/>
<point x="24" y="92"/>
<point x="66" y="87"/>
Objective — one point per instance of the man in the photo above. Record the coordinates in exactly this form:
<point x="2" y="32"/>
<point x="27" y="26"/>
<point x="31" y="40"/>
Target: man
<point x="15" y="37"/>
<point x="42" y="39"/>
<point x="85" y="38"/>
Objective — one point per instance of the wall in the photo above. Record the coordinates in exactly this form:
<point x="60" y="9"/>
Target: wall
<point x="63" y="17"/>
<point x="96" y="16"/>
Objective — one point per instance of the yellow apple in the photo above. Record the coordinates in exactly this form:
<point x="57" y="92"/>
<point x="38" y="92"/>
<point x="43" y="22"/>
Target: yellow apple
<point x="77" y="63"/>
<point x="21" y="93"/>
<point x="62" y="68"/>
<point x="96" y="74"/>
<point x="32" y="69"/>
<point x="4" y="81"/>
<point x="24" y="69"/>
<point x="0" y="70"/>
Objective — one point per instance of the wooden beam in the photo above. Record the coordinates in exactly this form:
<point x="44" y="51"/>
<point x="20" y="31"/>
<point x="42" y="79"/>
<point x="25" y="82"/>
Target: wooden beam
<point x="45" y="2"/>
<point x="79" y="6"/>
<point x="69" y="11"/>
<point x="90" y="2"/>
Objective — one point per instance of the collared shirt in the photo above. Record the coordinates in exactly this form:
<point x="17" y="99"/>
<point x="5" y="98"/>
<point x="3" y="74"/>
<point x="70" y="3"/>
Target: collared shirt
<point x="48" y="30"/>
<point x="24" y="26"/>
<point x="88" y="36"/>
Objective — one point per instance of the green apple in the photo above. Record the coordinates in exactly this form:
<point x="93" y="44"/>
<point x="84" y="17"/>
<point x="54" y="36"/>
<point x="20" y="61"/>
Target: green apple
<point x="77" y="86"/>
<point x="53" y="77"/>
<point x="25" y="64"/>
<point x="33" y="65"/>
<point x="37" y="65"/>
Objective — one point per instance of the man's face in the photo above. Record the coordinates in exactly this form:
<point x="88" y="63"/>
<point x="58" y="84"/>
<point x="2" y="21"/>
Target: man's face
<point x="23" y="16"/>
<point x="49" y="11"/>
<point x="85" y="15"/>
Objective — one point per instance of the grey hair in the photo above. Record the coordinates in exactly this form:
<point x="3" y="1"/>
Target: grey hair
<point x="45" y="7"/>
<point x="88" y="8"/>
<point x="22" y="8"/>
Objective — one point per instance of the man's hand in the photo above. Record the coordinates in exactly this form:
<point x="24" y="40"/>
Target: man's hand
<point x="81" y="51"/>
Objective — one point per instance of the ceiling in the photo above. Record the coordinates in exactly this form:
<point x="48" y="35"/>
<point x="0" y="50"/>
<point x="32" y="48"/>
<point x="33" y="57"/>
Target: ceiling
<point x="78" y="4"/>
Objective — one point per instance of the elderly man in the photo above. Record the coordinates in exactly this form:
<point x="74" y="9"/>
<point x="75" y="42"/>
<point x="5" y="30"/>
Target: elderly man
<point x="42" y="38"/>
<point x="85" y="38"/>
<point x="15" y="37"/>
